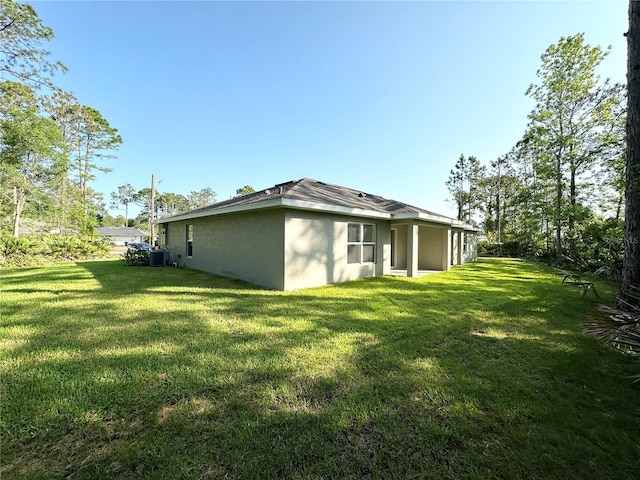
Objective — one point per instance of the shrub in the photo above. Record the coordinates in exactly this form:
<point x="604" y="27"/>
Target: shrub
<point x="37" y="249"/>
<point x="601" y="248"/>
<point x="136" y="258"/>
<point x="505" y="249"/>
<point x="487" y="249"/>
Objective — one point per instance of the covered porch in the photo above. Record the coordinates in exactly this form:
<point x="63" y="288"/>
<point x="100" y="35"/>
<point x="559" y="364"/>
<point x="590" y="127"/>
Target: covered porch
<point x="419" y="248"/>
<point x="403" y="273"/>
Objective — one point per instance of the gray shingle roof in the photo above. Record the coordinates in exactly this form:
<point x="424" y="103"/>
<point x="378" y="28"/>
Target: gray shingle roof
<point x="121" y="232"/>
<point x="312" y="191"/>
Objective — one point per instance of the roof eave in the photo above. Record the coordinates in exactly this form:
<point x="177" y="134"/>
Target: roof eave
<point x="279" y="202"/>
<point x="327" y="208"/>
<point x="276" y="202"/>
<point x="424" y="217"/>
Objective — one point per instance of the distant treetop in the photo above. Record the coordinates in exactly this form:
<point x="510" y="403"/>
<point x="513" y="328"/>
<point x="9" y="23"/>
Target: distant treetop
<point x="246" y="190"/>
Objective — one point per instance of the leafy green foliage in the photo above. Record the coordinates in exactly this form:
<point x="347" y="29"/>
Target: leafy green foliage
<point x="51" y="145"/>
<point x="573" y="128"/>
<point x="464" y="185"/>
<point x="106" y="220"/>
<point x="557" y="195"/>
<point x="246" y="190"/>
<point x="168" y="204"/>
<point x="30" y="150"/>
<point x="506" y="249"/>
<point x="124" y="196"/>
<point x="21" y="54"/>
<point x="27" y="250"/>
<point x="600" y="247"/>
<point x="91" y="140"/>
<point x="201" y="198"/>
<point x="136" y="258"/>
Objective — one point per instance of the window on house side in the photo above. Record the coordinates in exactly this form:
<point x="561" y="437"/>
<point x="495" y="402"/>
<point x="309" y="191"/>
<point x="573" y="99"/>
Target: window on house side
<point x="361" y="243"/>
<point x="163" y="235"/>
<point x="189" y="240"/>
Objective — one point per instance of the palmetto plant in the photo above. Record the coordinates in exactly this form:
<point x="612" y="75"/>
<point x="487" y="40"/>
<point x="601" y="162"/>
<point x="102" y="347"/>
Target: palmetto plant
<point x="619" y="328"/>
<point x="34" y="249"/>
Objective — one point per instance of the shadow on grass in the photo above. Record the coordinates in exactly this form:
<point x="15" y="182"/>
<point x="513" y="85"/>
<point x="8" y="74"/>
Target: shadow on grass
<point x="173" y="373"/>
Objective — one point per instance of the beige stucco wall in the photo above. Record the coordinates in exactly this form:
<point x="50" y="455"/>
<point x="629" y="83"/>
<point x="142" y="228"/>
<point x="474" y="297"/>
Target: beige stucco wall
<point x="288" y="249"/>
<point x="316" y="249"/>
<point x="247" y="246"/>
<point x="401" y="247"/>
<point x="434" y="245"/>
<point x="433" y="251"/>
<point x="457" y="245"/>
<point x="279" y="249"/>
<point x="471" y="247"/>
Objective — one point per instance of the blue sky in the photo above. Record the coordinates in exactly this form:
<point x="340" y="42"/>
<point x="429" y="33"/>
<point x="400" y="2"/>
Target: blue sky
<point x="378" y="96"/>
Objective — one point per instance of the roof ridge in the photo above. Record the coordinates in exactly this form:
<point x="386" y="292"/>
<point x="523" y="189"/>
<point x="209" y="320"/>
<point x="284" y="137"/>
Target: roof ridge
<point x="308" y="191"/>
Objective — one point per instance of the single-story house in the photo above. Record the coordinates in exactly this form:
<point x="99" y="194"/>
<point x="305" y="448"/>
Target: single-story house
<point x="123" y="235"/>
<point x="306" y="233"/>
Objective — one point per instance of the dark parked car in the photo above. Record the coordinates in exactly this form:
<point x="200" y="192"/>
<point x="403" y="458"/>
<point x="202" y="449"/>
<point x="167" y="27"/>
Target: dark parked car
<point x="138" y="246"/>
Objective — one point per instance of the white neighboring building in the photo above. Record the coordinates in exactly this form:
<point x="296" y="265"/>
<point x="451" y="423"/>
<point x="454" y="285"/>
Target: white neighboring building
<point x="123" y="235"/>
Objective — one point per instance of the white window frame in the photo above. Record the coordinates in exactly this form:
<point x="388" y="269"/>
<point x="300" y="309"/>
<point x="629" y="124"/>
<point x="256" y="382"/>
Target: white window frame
<point x="163" y="234"/>
<point x="189" y="239"/>
<point x="361" y="243"/>
<point x="394" y="247"/>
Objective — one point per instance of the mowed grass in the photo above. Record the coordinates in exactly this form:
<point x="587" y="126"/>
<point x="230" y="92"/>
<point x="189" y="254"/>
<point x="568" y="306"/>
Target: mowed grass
<point x="116" y="372"/>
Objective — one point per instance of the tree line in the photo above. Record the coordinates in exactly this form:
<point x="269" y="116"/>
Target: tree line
<point x="52" y="146"/>
<point x="166" y="204"/>
<point x="559" y="192"/>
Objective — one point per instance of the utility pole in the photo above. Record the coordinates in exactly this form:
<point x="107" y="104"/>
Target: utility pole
<point x="152" y="212"/>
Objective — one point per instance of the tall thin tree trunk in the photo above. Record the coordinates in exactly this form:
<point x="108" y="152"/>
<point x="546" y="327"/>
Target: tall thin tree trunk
<point x="558" y="203"/>
<point x="499" y="227"/>
<point x="498" y="213"/>
<point x="19" y="201"/>
<point x="573" y="193"/>
<point x="64" y="212"/>
<point x="152" y="211"/>
<point x="631" y="263"/>
<point x="619" y="207"/>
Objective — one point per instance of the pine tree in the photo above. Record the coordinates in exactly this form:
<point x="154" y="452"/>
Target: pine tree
<point x="631" y="263"/>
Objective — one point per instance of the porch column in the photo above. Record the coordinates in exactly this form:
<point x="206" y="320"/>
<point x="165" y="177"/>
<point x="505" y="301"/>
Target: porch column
<point x="454" y="248"/>
<point x="472" y="246"/>
<point x="412" y="249"/>
<point x="446" y="258"/>
<point x="460" y="248"/>
<point x="386" y="252"/>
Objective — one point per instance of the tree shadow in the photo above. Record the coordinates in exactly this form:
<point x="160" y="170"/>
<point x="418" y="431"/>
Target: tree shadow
<point x="438" y="377"/>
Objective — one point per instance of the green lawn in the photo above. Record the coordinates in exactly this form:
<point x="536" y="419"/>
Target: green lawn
<point x="110" y="371"/>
